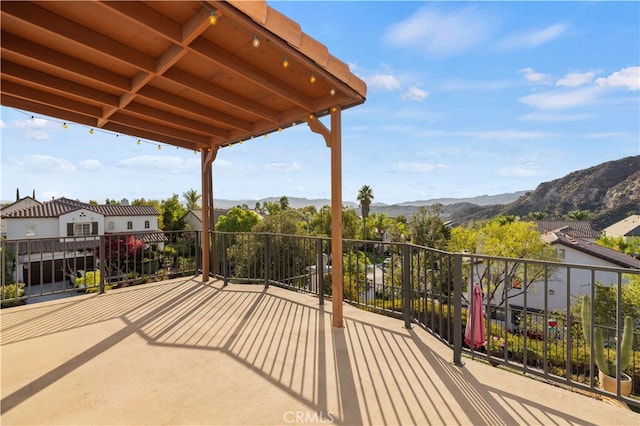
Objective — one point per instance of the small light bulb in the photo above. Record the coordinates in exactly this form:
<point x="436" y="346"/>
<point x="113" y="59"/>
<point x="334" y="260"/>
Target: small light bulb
<point x="279" y="129"/>
<point x="64" y="125"/>
<point x="138" y="142"/>
<point x="159" y="147"/>
<point x="212" y="19"/>
<point x="91" y="131"/>
<point x="312" y="79"/>
<point x="32" y="118"/>
<point x="266" y="136"/>
<point x="256" y="41"/>
<point x="332" y="92"/>
<point x="311" y="117"/>
<point x="285" y="63"/>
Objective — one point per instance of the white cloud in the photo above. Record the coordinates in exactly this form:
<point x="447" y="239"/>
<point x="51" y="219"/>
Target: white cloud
<point x="416" y="167"/>
<point x="557" y="100"/>
<point x="415" y="94"/>
<point x="554" y="117"/>
<point x="37" y="163"/>
<point x="518" y="170"/>
<point x="626" y="77"/>
<point x="507" y="134"/>
<point x="383" y="81"/>
<point x="533" y="38"/>
<point x="283" y="167"/>
<point x="576" y="79"/>
<point x="440" y="33"/>
<point x="161" y="164"/>
<point x="534" y="77"/>
<point x="91" y="165"/>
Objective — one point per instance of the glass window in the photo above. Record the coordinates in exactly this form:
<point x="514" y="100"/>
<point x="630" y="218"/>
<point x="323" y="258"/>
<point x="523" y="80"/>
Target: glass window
<point x="111" y="226"/>
<point x="81" y="229"/>
<point x="129" y="225"/>
<point x="30" y="230"/>
<point x="146" y="224"/>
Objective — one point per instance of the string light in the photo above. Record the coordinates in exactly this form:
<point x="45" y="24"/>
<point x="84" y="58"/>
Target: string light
<point x="212" y="19"/>
<point x="312" y="79"/>
<point x="159" y="147"/>
<point x="256" y="41"/>
<point x="138" y="142"/>
<point x="279" y="129"/>
<point x="32" y="118"/>
<point x="285" y="63"/>
<point x="90" y="131"/>
<point x="332" y="92"/>
<point x="64" y="125"/>
<point x="266" y="136"/>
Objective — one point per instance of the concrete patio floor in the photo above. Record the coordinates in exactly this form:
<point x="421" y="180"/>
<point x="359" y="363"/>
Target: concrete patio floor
<point x="186" y="352"/>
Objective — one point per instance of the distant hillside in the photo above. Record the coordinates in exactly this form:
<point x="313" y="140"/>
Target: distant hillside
<point x="407" y="208"/>
<point x="610" y="190"/>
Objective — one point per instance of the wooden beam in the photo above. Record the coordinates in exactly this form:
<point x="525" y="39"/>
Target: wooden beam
<point x="187" y="107"/>
<point x="52" y="84"/>
<point x="212" y="91"/>
<point x="74" y="33"/>
<point x="63" y="62"/>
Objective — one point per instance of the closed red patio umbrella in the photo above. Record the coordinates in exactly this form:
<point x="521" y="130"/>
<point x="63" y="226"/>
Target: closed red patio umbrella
<point x="474" y="335"/>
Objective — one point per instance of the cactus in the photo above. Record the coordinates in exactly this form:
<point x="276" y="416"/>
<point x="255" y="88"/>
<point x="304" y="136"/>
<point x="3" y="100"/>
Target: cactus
<point x="600" y="357"/>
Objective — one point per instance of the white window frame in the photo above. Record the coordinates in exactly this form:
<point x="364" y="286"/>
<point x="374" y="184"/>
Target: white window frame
<point x="82" y="229"/>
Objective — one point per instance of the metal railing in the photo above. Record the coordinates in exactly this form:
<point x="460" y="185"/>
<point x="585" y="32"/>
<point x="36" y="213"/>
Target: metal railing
<point x="49" y="268"/>
<point x="531" y="318"/>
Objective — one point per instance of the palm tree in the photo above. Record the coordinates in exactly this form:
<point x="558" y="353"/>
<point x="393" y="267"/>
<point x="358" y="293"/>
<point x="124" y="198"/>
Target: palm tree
<point x="365" y="195"/>
<point x="191" y="197"/>
<point x="284" y="202"/>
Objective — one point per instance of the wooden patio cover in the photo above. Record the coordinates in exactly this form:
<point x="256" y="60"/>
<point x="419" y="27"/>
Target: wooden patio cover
<point x="196" y="75"/>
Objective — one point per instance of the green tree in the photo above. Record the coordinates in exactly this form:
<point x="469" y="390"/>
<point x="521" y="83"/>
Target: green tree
<point x="237" y="220"/>
<point x="535" y="215"/>
<point x="427" y="229"/>
<point x="629" y="245"/>
<point x="503" y="238"/>
<point x="579" y="215"/>
<point x="172" y="214"/>
<point x="272" y="208"/>
<point x="349" y="223"/>
<point x="381" y="223"/>
<point x="320" y="223"/>
<point x="284" y="202"/>
<point x="191" y="198"/>
<point x="365" y="196"/>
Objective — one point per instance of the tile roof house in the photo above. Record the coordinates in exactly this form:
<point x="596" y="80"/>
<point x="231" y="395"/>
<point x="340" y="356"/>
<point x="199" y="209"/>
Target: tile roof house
<point x="46" y="236"/>
<point x="574" y="228"/>
<point x="62" y="217"/>
<point x="22" y="203"/>
<point x="626" y="228"/>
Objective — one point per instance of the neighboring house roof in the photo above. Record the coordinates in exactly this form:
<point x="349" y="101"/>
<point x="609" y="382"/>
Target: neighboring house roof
<point x="60" y="206"/>
<point x="197" y="214"/>
<point x="574" y="228"/>
<point x="592" y="249"/>
<point x="629" y="227"/>
<point x="22" y="203"/>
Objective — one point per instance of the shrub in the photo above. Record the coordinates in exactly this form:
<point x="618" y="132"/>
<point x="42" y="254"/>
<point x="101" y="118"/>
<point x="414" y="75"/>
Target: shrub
<point x="11" y="294"/>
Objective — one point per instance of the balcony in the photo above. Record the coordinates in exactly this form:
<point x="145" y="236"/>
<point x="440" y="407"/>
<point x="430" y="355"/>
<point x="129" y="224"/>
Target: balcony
<point x="246" y="349"/>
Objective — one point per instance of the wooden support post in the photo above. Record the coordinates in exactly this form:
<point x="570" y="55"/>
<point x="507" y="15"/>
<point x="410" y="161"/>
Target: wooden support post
<point x="336" y="217"/>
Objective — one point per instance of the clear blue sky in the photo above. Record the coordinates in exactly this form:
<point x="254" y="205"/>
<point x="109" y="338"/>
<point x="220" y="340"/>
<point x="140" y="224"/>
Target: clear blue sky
<point x="463" y="99"/>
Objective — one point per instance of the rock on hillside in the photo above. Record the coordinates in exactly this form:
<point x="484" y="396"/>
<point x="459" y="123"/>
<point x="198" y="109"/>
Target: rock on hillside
<point x="610" y="190"/>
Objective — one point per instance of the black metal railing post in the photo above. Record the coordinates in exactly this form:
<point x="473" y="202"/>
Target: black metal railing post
<point x="319" y="271"/>
<point x="406" y="286"/>
<point x="225" y="261"/>
<point x="457" y="309"/>
<point x="103" y="268"/>
<point x="266" y="260"/>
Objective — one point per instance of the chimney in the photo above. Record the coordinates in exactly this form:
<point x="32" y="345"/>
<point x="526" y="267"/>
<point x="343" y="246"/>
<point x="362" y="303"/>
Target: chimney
<point x="124" y="202"/>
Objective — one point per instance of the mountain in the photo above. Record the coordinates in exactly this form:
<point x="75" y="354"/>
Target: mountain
<point x="611" y="191"/>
